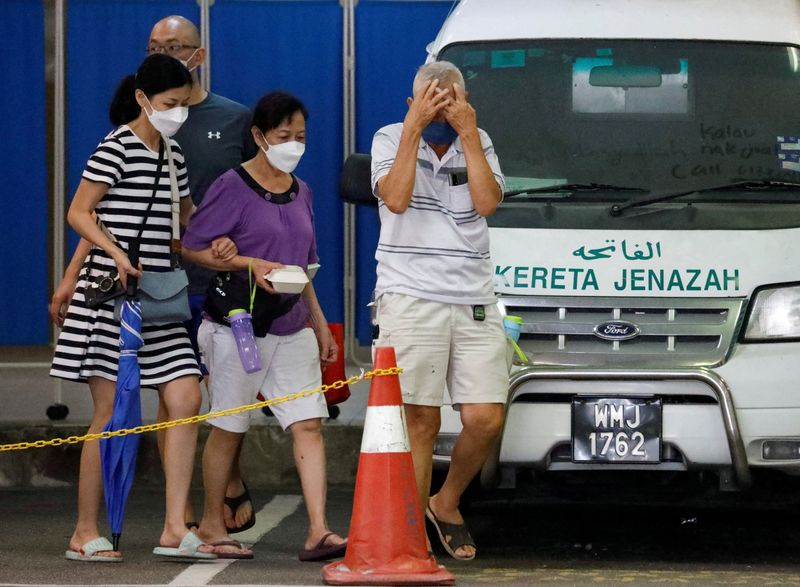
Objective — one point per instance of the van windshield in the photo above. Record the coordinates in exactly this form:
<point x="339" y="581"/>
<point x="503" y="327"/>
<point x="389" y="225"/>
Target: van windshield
<point x="656" y="115"/>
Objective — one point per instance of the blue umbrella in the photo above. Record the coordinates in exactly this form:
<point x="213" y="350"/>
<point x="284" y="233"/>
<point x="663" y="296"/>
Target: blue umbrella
<point x="118" y="453"/>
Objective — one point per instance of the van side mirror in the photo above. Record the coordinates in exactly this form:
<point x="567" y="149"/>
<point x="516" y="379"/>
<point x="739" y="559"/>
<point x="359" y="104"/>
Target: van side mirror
<point x="356" y="182"/>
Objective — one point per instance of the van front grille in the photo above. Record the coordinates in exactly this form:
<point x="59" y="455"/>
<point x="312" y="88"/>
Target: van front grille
<point x="673" y="332"/>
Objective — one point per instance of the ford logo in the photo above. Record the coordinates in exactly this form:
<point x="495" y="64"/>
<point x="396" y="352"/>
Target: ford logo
<point x="616" y="330"/>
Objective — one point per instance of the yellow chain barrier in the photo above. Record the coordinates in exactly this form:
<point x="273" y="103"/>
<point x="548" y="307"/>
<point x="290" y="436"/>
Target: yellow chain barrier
<point x="200" y="417"/>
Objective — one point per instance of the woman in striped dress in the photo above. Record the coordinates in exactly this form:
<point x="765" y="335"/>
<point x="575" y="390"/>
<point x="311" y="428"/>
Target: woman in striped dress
<point x="116" y="187"/>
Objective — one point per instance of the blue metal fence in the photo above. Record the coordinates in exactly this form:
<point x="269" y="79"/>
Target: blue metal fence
<point x="106" y="41"/>
<point x="295" y="46"/>
<point x="256" y="46"/>
<point x="23" y="161"/>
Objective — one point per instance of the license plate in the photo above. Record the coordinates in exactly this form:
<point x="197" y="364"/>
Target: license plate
<point x="616" y="430"/>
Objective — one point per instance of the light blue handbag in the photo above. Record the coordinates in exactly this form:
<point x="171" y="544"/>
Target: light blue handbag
<point x="163" y="295"/>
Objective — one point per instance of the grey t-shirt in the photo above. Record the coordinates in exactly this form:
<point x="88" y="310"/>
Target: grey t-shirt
<point x="215" y="137"/>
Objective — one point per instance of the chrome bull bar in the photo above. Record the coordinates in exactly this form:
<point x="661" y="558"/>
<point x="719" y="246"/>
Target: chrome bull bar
<point x="720" y="389"/>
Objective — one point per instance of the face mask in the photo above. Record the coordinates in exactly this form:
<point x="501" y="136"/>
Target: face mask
<point x="284" y="156"/>
<point x="186" y="63"/>
<point x="167" y="122"/>
<point x="439" y="133"/>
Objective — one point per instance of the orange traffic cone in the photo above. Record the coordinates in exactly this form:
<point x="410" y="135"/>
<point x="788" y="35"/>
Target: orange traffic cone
<point x="386" y="543"/>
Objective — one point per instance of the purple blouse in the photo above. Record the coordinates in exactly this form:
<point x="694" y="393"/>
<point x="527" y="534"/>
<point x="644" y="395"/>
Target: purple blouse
<point x="273" y="227"/>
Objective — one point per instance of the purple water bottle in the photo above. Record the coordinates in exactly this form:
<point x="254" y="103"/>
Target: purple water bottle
<point x="242" y="328"/>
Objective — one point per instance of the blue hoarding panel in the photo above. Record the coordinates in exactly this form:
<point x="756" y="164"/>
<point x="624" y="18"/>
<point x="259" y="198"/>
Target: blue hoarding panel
<point x="294" y="46"/>
<point x="106" y="41"/>
<point x="23" y="166"/>
<point x="390" y="45"/>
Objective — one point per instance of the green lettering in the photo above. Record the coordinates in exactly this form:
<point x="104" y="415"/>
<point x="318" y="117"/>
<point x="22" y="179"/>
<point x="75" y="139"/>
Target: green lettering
<point x="731" y="278"/>
<point x="695" y="273"/>
<point x="575" y="272"/>
<point x="557" y="277"/>
<point x="675" y="281"/>
<point x="539" y="274"/>
<point x="655" y="280"/>
<point x="590" y="280"/>
<point x="712" y="280"/>
<point x="620" y="284"/>
<point x="637" y="280"/>
<point x="520" y="276"/>
<point x="499" y="273"/>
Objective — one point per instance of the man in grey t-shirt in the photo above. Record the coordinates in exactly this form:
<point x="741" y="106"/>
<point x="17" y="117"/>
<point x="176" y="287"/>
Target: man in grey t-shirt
<point x="215" y="137"/>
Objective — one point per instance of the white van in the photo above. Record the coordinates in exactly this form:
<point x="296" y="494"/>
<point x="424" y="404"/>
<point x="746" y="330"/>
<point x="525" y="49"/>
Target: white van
<point x="650" y="234"/>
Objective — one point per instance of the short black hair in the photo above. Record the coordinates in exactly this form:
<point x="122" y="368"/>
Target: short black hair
<point x="157" y="73"/>
<point x="274" y="108"/>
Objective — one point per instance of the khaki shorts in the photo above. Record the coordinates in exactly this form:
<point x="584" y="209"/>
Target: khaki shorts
<point x="290" y="364"/>
<point x="441" y="346"/>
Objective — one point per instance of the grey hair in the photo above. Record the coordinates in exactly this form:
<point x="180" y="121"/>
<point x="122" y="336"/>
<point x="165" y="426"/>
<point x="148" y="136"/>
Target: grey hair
<point x="444" y="71"/>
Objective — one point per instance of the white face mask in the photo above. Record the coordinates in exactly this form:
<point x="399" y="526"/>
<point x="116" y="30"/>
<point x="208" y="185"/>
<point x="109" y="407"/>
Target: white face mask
<point x="284" y="156"/>
<point x="186" y="63"/>
<point x="167" y="122"/>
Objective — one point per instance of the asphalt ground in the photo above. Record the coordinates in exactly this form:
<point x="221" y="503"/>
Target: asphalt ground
<point x="538" y="536"/>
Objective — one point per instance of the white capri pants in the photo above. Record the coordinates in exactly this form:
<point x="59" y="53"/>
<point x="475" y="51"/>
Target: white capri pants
<point x="290" y="364"/>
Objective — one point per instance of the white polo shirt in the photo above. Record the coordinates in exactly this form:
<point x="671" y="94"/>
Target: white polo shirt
<point x="438" y="249"/>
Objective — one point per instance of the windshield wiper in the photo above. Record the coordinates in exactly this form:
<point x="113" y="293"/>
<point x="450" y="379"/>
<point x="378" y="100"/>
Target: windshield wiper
<point x="573" y="187"/>
<point x="761" y="184"/>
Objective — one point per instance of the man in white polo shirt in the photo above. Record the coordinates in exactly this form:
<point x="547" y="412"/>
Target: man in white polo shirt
<point x="437" y="177"/>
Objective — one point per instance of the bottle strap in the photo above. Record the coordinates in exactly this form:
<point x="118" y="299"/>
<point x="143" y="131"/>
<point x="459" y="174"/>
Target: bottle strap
<point x="251" y="284"/>
<point x="520" y="353"/>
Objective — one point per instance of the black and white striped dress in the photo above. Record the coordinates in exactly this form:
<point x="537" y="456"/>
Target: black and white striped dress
<point x="89" y="342"/>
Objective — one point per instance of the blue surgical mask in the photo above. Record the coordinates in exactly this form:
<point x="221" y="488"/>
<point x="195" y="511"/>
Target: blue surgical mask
<point x="439" y="133"/>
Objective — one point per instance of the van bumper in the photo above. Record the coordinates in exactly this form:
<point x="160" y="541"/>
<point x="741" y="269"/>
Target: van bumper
<point x="713" y="419"/>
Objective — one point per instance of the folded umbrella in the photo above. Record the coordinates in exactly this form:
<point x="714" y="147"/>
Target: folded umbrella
<point x="118" y="453"/>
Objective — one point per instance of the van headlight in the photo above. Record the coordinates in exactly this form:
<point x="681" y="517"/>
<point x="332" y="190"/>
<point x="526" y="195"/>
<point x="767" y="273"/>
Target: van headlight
<point x="775" y="315"/>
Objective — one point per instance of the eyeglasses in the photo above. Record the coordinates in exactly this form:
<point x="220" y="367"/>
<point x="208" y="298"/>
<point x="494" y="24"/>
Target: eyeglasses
<point x="171" y="49"/>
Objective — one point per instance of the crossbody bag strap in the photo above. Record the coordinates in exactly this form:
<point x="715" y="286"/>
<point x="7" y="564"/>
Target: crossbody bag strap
<point x="133" y="249"/>
<point x="175" y="245"/>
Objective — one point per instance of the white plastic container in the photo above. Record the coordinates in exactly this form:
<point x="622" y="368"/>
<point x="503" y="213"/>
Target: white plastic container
<point x="290" y="279"/>
<point x="312" y="269"/>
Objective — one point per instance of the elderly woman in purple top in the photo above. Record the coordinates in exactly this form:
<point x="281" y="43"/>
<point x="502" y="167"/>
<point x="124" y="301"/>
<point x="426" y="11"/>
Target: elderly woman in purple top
<point x="267" y="212"/>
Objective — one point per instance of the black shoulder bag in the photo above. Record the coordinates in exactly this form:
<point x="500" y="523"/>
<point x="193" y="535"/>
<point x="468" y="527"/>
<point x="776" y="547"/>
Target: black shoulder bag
<point x="230" y="291"/>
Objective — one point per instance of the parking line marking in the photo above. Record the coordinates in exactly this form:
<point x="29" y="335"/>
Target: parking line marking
<point x="272" y="514"/>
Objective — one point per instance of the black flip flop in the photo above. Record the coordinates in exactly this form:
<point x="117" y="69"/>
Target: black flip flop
<point x="320" y="552"/>
<point x="459" y="535"/>
<point x="234" y="503"/>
